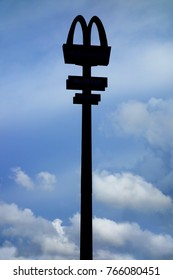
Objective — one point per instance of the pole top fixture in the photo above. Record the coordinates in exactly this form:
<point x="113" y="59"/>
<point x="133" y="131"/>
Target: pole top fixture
<point x="86" y="55"/>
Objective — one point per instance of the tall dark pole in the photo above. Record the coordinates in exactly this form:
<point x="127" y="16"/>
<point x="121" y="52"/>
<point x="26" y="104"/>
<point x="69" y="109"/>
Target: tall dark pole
<point x="86" y="186"/>
<point x="86" y="55"/>
<point x="86" y="178"/>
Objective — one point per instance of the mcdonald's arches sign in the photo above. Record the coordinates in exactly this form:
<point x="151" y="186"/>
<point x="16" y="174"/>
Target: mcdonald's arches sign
<point x="87" y="54"/>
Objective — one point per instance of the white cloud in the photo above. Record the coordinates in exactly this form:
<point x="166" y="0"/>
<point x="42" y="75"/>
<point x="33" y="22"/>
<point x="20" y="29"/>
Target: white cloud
<point x="34" y="237"/>
<point x="26" y="236"/>
<point x="107" y="255"/>
<point x="151" y="120"/>
<point x="126" y="190"/>
<point x="130" y="115"/>
<point x="22" y="179"/>
<point x="47" y="180"/>
<point x="131" y="236"/>
<point x="8" y="252"/>
<point x="58" y="245"/>
<point x="44" y="180"/>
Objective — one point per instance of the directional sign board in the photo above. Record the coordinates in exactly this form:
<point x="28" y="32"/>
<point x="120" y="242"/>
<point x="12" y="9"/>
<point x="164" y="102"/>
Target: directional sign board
<point x="83" y="83"/>
<point x="92" y="99"/>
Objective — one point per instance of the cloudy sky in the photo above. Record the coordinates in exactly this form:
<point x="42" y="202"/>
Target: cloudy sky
<point x="40" y="131"/>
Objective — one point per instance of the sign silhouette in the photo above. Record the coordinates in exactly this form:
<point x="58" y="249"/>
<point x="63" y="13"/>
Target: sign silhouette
<point x="87" y="56"/>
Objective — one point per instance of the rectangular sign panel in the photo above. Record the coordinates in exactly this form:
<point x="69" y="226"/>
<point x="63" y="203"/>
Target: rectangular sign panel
<point x="92" y="99"/>
<point x="86" y="55"/>
<point x="91" y="83"/>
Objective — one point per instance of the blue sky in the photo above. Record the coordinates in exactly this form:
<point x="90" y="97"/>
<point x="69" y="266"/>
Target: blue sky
<point x="40" y="131"/>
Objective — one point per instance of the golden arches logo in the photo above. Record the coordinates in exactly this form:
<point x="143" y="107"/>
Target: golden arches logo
<point x="86" y="30"/>
<point x="87" y="54"/>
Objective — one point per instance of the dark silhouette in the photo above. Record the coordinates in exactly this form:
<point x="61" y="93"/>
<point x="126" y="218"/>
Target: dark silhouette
<point x="86" y="55"/>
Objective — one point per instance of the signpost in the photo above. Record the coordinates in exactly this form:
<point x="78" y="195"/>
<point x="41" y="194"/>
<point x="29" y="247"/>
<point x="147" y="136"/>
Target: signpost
<point x="86" y="55"/>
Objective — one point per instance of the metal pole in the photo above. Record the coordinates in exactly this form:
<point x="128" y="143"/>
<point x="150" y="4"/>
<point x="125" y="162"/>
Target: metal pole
<point x="86" y="178"/>
<point x="86" y="55"/>
<point x="86" y="186"/>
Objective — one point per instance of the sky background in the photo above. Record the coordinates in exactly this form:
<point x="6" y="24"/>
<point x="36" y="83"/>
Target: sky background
<point x="40" y="131"/>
